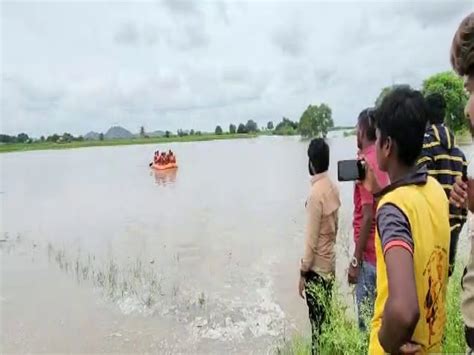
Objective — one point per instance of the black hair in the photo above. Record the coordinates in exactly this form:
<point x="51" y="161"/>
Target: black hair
<point x="367" y="124"/>
<point x="462" y="48"/>
<point x="436" y="107"/>
<point x="318" y="154"/>
<point x="402" y="116"/>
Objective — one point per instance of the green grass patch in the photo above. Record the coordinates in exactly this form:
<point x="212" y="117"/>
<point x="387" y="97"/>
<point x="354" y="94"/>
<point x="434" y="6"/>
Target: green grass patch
<point x="22" y="147"/>
<point x="454" y="333"/>
<point x="341" y="335"/>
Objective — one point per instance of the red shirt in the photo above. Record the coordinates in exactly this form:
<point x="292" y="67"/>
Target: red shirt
<point x="363" y="197"/>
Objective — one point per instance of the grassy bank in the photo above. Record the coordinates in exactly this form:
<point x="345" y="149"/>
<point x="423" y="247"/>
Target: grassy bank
<point x="22" y="147"/>
<point x="463" y="137"/>
<point x="342" y="336"/>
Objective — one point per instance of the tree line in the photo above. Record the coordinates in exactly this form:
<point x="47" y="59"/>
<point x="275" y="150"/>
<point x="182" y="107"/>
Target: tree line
<point x="54" y="138"/>
<point x="315" y="121"/>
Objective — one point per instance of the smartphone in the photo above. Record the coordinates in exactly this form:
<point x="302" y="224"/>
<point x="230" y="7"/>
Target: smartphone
<point x="350" y="170"/>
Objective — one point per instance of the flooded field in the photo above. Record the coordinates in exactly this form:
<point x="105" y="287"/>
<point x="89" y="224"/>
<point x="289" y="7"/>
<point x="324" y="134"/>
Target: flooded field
<point x="100" y="254"/>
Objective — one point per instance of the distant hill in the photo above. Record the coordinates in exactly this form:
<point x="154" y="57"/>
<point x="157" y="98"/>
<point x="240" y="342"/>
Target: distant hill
<point x="118" y="132"/>
<point x="92" y="136"/>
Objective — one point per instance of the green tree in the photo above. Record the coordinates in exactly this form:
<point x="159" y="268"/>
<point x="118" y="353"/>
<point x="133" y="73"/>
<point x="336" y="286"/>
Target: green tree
<point x="218" y="130"/>
<point x="191" y="132"/>
<point x="232" y="129"/>
<point x="242" y="129"/>
<point x="251" y="126"/>
<point x="451" y="87"/>
<point x="167" y="134"/>
<point x="101" y="137"/>
<point x="54" y="138"/>
<point x="42" y="139"/>
<point x="142" y="132"/>
<point x="286" y="127"/>
<point x="270" y="126"/>
<point x="5" y="138"/>
<point x="22" y="138"/>
<point x="316" y="121"/>
<point x="67" y="137"/>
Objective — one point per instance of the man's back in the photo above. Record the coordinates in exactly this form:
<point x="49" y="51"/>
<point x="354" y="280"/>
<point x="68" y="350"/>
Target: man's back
<point x="430" y="234"/>
<point x="445" y="162"/>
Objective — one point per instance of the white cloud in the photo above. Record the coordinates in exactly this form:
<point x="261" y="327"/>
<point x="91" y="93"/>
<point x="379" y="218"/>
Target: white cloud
<point x="72" y="66"/>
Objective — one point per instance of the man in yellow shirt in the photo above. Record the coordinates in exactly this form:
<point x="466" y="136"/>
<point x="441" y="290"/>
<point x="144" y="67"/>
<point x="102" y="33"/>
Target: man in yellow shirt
<point x="412" y="240"/>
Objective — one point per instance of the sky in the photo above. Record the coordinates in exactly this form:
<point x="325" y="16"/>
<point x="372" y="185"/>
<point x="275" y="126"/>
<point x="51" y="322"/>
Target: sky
<point x="80" y="66"/>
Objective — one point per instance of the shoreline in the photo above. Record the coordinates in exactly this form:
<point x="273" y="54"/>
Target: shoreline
<point x="26" y="147"/>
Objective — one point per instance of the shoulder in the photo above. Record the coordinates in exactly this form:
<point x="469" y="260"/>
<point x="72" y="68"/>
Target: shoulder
<point x="332" y="188"/>
<point x="394" y="227"/>
<point x="435" y="189"/>
<point x="458" y="153"/>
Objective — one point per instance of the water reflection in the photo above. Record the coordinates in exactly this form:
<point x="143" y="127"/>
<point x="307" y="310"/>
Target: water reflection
<point x="164" y="177"/>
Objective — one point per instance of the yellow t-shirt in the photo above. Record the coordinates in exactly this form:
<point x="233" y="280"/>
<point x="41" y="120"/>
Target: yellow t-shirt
<point x="427" y="210"/>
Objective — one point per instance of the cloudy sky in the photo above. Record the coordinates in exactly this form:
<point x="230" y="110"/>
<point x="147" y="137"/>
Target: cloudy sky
<point x="79" y="66"/>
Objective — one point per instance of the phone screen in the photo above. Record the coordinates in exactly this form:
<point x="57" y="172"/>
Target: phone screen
<point x="350" y="170"/>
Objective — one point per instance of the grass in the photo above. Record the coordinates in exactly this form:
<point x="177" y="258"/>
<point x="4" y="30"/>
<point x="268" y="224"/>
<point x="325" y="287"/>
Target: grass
<point x="23" y="147"/>
<point x="463" y="137"/>
<point x="340" y="334"/>
<point x="454" y="332"/>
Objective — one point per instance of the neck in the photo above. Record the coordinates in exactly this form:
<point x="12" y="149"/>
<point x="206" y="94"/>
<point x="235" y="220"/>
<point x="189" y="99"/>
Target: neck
<point x="397" y="171"/>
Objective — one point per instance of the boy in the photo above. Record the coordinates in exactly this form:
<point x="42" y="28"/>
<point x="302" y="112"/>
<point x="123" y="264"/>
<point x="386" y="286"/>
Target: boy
<point x="412" y="240"/>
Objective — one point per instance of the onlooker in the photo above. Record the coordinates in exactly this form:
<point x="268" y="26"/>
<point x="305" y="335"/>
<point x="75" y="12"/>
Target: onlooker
<point x="318" y="264"/>
<point x="362" y="266"/>
<point x="462" y="59"/>
<point x="445" y="161"/>
<point x="413" y="234"/>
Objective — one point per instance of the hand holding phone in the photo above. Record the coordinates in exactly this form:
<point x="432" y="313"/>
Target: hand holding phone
<point x="351" y="170"/>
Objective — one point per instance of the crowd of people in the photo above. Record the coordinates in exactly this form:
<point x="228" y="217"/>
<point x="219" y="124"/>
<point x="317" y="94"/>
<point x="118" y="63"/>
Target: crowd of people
<point x="164" y="158"/>
<point x="408" y="212"/>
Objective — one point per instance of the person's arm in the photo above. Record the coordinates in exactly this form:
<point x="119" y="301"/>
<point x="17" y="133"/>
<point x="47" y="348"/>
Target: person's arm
<point x="313" y="222"/>
<point x="401" y="311"/>
<point x="313" y="216"/>
<point x="367" y="220"/>
<point x="367" y="201"/>
<point x="462" y="194"/>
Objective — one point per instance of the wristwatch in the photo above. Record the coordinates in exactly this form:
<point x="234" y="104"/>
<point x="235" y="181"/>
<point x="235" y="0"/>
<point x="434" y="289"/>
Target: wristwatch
<point x="354" y="262"/>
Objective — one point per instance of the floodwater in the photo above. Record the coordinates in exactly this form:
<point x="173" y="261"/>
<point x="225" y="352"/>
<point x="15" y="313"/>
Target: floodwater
<point x="100" y="254"/>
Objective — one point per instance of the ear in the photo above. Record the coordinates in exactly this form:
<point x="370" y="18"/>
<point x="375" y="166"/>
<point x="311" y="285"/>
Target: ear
<point x="388" y="147"/>
<point x="310" y="168"/>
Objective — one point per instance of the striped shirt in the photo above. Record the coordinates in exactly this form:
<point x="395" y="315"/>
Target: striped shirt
<point x="445" y="162"/>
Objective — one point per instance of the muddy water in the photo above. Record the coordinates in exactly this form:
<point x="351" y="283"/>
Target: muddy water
<point x="99" y="254"/>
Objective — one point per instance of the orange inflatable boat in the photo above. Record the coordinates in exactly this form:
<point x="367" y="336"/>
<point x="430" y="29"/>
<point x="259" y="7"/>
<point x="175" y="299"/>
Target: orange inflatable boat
<point x="165" y="167"/>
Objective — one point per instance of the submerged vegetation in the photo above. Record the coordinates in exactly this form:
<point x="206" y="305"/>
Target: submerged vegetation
<point x="136" y="280"/>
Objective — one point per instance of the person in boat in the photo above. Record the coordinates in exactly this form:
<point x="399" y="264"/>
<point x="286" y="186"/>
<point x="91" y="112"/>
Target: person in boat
<point x="171" y="157"/>
<point x="164" y="158"/>
<point x="155" y="158"/>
